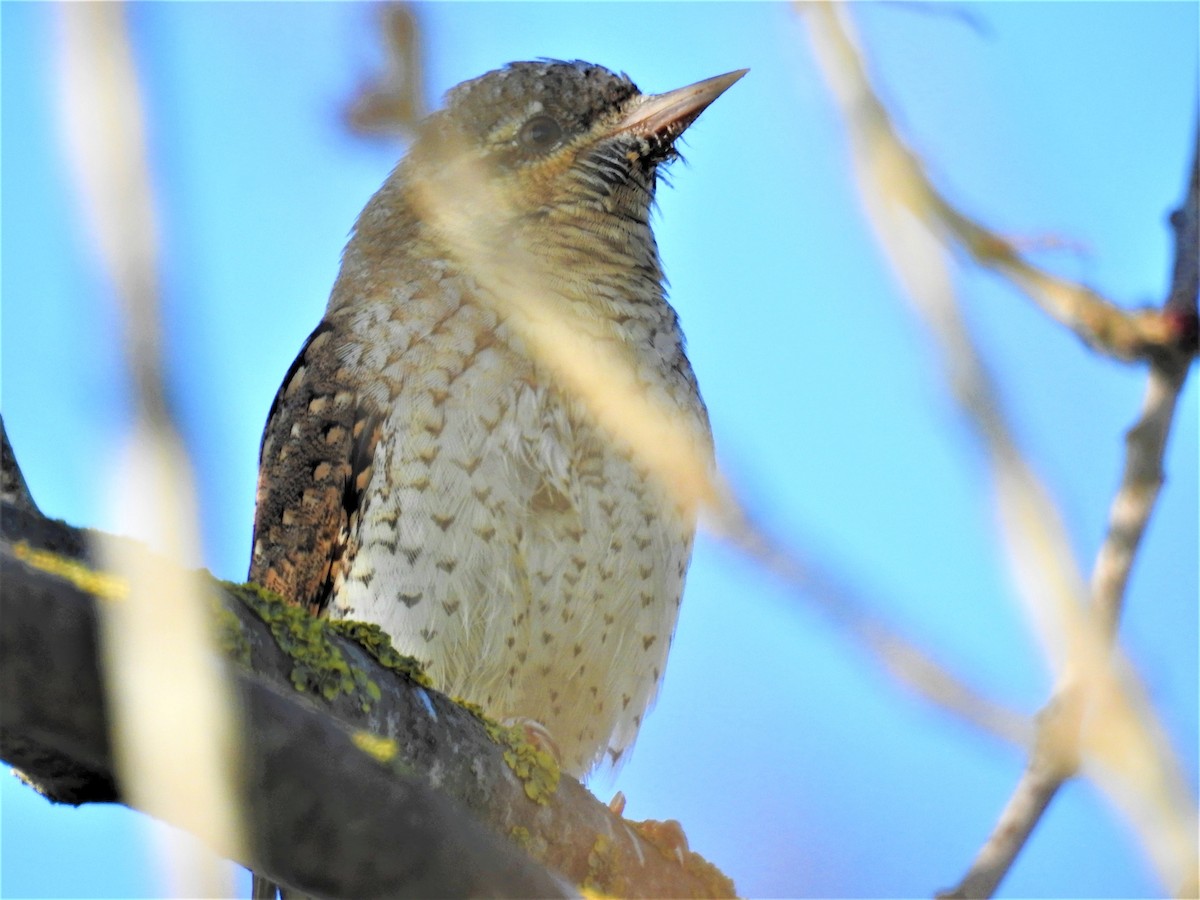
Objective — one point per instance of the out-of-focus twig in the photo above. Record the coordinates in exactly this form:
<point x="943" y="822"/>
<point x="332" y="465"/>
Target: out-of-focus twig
<point x="173" y="727"/>
<point x="394" y="103"/>
<point x="1098" y="714"/>
<point x="1036" y="541"/>
<point x="1098" y="322"/>
<point x="1172" y="827"/>
<point x="954" y="12"/>
<point x="1126" y="334"/>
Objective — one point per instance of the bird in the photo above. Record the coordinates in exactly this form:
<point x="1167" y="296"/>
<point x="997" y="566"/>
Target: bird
<point x="433" y="462"/>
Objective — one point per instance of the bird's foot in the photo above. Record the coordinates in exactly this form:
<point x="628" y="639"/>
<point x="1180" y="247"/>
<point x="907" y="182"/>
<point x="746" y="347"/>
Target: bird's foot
<point x="667" y="836"/>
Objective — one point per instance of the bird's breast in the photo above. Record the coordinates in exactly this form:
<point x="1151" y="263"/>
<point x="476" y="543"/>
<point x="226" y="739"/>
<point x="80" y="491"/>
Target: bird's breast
<point x="512" y="544"/>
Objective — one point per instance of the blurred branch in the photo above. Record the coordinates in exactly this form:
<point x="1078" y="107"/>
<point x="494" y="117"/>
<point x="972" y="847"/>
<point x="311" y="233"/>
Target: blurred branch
<point x="317" y="700"/>
<point x="1123" y="334"/>
<point x="1172" y="824"/>
<point x="394" y="103"/>
<point x="1098" y="713"/>
<point x="173" y="731"/>
<point x="1035" y="538"/>
<point x="897" y="654"/>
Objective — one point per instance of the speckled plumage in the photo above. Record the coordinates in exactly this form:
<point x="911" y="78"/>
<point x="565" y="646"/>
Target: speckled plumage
<point x="423" y="469"/>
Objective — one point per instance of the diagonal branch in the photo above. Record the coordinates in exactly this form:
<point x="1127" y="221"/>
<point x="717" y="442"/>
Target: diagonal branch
<point x="1104" y="326"/>
<point x="366" y="833"/>
<point x="322" y="711"/>
<point x="1165" y="814"/>
<point x="1098" y="716"/>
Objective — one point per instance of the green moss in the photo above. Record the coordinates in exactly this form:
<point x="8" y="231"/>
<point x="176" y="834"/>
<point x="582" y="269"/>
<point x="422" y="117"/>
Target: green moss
<point x="231" y="639"/>
<point x="473" y="708"/>
<point x="318" y="666"/>
<point x="494" y="730"/>
<point x="375" y="641"/>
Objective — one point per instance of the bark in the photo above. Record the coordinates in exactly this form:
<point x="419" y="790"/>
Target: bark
<point x="457" y="806"/>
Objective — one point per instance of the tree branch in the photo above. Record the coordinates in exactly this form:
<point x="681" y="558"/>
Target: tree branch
<point x="1124" y="334"/>
<point x="1097" y="714"/>
<point x="361" y="783"/>
<point x="362" y="832"/>
<point x="1059" y="723"/>
<point x="13" y="489"/>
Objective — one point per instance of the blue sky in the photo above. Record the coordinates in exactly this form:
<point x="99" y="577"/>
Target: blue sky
<point x="791" y="760"/>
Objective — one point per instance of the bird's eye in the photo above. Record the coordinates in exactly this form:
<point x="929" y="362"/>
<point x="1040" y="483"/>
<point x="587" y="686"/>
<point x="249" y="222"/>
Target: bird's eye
<point x="541" y="133"/>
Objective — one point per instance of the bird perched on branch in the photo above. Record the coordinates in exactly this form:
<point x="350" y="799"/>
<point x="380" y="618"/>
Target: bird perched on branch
<point x="493" y="445"/>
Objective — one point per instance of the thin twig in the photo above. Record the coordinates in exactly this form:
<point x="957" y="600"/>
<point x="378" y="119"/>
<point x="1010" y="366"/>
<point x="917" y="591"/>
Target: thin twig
<point x="962" y="13"/>
<point x="1098" y="713"/>
<point x="1097" y="321"/>
<point x="1163" y="810"/>
<point x="831" y="594"/>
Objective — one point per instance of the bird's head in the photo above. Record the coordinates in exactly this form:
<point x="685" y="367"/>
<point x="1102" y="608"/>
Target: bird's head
<point x="523" y="141"/>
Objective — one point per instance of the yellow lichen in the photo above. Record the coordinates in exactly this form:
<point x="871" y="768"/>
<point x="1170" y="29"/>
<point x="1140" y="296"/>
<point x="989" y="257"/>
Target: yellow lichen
<point x="230" y="637"/>
<point x="383" y="749"/>
<point x="103" y="585"/>
<point x="602" y="870"/>
<point x="477" y="711"/>
<point x="318" y="666"/>
<point x="535" y="767"/>
<point x="375" y="641"/>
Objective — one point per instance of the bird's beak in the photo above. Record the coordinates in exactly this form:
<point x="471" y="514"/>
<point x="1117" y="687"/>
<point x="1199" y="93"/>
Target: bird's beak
<point x="665" y="116"/>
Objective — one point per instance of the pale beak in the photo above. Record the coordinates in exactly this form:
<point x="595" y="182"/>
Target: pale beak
<point x="665" y="116"/>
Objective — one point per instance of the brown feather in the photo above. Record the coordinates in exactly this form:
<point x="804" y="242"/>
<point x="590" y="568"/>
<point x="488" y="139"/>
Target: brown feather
<point x="315" y="464"/>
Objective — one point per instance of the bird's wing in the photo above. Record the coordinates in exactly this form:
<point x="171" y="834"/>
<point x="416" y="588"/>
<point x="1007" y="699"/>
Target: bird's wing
<point x="314" y="466"/>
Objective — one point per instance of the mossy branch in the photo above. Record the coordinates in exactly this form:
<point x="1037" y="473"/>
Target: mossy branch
<point x="358" y="778"/>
